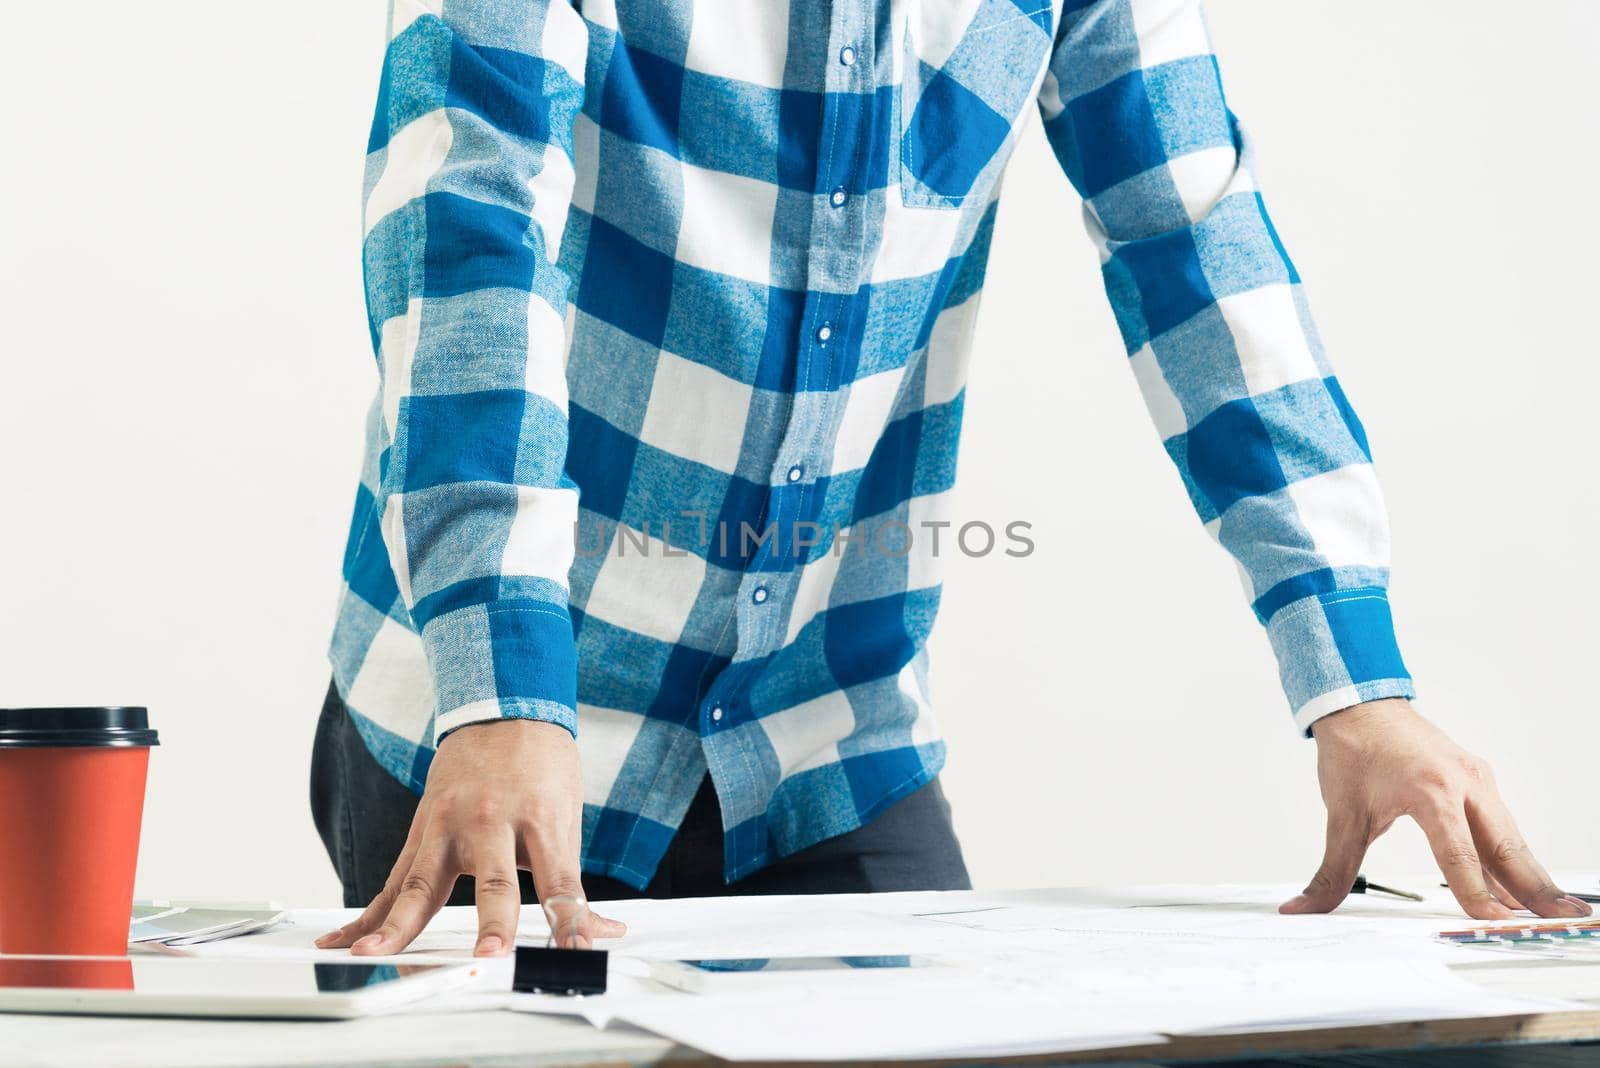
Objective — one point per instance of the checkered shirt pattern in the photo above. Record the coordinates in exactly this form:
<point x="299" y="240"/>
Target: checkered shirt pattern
<point x="646" y="277"/>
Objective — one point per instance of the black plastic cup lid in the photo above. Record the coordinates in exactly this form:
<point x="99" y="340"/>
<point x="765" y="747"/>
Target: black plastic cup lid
<point x="42" y="728"/>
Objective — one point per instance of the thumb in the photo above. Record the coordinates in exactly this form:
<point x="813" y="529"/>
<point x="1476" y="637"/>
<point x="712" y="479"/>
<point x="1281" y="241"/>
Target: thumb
<point x="573" y="925"/>
<point x="560" y="889"/>
<point x="1341" y="862"/>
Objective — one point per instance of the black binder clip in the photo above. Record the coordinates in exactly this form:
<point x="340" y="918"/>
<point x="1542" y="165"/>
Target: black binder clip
<point x="549" y="969"/>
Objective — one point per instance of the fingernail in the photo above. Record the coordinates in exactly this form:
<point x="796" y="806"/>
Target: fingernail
<point x="368" y="942"/>
<point x="329" y="937"/>
<point x="489" y="946"/>
<point x="1573" y="906"/>
<point x="1294" y="904"/>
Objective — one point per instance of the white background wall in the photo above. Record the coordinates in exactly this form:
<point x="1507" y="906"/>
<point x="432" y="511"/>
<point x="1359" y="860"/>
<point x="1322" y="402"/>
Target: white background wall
<point x="185" y="366"/>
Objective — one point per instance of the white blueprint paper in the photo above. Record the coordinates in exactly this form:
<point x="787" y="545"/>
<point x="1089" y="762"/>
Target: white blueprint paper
<point x="1022" y="972"/>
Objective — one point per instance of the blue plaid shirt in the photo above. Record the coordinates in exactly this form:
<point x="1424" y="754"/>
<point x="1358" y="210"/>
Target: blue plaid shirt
<point x="672" y="302"/>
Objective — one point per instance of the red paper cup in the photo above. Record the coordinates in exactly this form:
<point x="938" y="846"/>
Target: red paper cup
<point x="67" y="973"/>
<point x="71" y="798"/>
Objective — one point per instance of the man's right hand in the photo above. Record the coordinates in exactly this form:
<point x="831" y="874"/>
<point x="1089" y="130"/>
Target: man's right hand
<point x="501" y="795"/>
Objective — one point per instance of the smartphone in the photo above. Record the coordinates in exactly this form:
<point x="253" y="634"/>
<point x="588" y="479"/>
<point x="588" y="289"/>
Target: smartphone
<point x="723" y="973"/>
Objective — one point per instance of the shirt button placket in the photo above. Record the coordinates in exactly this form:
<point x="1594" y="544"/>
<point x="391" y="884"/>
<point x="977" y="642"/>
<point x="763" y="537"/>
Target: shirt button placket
<point x="838" y="222"/>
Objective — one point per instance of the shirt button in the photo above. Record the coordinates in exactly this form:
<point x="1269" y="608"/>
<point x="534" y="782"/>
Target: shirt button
<point x="847" y="55"/>
<point x="796" y="473"/>
<point x="759" y="595"/>
<point x="838" y="198"/>
<point x="716" y="714"/>
<point x="824" y="332"/>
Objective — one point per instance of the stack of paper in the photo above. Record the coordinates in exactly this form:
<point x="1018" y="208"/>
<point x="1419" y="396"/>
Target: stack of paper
<point x="1020" y="972"/>
<point x="189" y="923"/>
<point x="1049" y="971"/>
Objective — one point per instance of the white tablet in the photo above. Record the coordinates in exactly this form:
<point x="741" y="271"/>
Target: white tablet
<point x="197" y="986"/>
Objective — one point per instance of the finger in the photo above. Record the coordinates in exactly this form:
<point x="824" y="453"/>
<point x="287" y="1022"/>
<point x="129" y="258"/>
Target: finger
<point x="1450" y="838"/>
<point x="1508" y="859"/>
<point x="597" y="926"/>
<point x="1341" y="862"/>
<point x="370" y="917"/>
<point x="605" y="927"/>
<point x="497" y="894"/>
<point x="373" y="914"/>
<point x="1497" y="888"/>
<point x="573" y="925"/>
<point x="423" y="891"/>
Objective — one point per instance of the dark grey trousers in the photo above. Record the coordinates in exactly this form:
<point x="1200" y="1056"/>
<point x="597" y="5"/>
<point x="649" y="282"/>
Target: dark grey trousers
<point x="363" y="814"/>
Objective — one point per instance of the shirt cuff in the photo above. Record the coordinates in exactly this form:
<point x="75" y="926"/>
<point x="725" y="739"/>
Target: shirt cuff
<point x="1335" y="650"/>
<point x="503" y="660"/>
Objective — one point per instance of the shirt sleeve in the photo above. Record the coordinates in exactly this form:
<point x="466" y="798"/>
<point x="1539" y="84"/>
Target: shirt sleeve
<point x="1221" y="341"/>
<point x="469" y="181"/>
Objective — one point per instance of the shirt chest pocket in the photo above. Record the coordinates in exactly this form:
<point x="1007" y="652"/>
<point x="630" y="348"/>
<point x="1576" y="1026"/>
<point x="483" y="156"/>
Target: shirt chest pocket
<point x="969" y="69"/>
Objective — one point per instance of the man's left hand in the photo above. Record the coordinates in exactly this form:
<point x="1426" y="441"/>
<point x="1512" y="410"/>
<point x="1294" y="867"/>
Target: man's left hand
<point x="1379" y="761"/>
